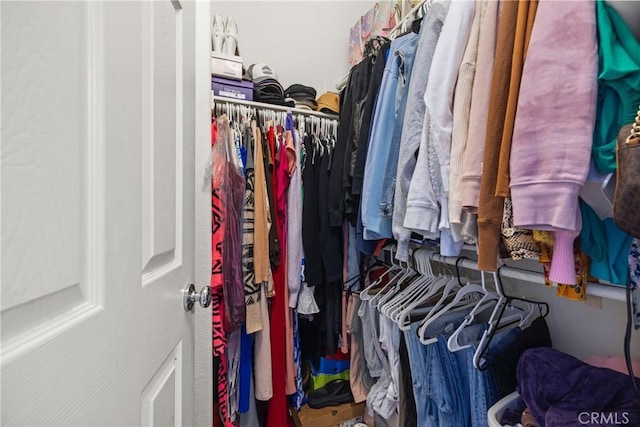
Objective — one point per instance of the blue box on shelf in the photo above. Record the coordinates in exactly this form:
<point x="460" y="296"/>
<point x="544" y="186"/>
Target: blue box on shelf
<point x="235" y="89"/>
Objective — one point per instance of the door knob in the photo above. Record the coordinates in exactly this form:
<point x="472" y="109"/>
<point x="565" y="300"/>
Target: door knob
<point x="190" y="297"/>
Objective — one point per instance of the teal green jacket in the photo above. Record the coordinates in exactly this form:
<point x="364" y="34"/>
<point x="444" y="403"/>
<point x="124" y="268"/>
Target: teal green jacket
<point x="618" y="84"/>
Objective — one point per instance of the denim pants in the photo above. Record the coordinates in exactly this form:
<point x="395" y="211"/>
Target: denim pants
<point x="420" y="361"/>
<point x="483" y="391"/>
<point x="433" y="403"/>
<point x="498" y="344"/>
<point x="448" y="389"/>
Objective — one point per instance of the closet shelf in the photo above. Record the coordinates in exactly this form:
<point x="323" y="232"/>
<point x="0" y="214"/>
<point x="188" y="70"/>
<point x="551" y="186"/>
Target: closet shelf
<point x="265" y="106"/>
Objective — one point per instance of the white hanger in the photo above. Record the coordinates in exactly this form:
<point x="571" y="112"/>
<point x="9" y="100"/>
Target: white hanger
<point x="419" y="291"/>
<point x="393" y="293"/>
<point x="395" y="281"/>
<point x="426" y="276"/>
<point x="493" y="325"/>
<point x="391" y="305"/>
<point x="364" y="294"/>
<point x="461" y="296"/>
<point x="497" y="320"/>
<point x="448" y="286"/>
<point x="485" y="302"/>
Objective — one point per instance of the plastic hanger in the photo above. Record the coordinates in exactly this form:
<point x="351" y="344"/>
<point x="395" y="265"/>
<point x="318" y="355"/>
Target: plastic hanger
<point x="422" y="293"/>
<point x="391" y="281"/>
<point x="364" y="294"/>
<point x="461" y="296"/>
<point x="485" y="302"/>
<point x="418" y="286"/>
<point x="497" y="320"/>
<point x="403" y="274"/>
<point x="387" y="299"/>
<point x="448" y="286"/>
<point x="395" y="281"/>
<point x="415" y="289"/>
<point x="452" y="343"/>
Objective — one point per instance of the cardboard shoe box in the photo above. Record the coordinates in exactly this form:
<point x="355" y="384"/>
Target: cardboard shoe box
<point x="227" y="66"/>
<point x="235" y="89"/>
<point x="331" y="416"/>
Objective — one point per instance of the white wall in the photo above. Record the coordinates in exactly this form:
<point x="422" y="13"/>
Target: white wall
<point x="305" y="42"/>
<point x="579" y="329"/>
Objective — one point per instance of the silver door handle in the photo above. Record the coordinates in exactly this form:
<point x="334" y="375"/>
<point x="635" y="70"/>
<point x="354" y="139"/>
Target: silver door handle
<point x="190" y="297"/>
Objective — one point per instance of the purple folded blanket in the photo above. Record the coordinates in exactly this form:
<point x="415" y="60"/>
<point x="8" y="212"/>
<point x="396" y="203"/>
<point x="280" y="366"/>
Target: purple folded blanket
<point x="563" y="391"/>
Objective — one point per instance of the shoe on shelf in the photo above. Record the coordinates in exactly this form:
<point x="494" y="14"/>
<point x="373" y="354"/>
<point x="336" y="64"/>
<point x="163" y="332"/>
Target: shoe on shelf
<point x="217" y="34"/>
<point x="334" y="393"/>
<point x="230" y="36"/>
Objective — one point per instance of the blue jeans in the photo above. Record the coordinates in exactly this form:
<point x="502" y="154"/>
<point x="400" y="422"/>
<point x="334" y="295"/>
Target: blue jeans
<point x="433" y="403"/>
<point x="448" y="389"/>
<point x="497" y="345"/>
<point x="420" y="361"/>
<point x="483" y="391"/>
<point x="454" y="385"/>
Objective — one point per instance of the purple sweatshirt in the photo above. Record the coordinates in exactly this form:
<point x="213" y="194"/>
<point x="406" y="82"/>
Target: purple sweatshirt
<point x="554" y="126"/>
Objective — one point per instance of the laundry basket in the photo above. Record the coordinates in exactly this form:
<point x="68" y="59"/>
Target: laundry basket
<point x="495" y="412"/>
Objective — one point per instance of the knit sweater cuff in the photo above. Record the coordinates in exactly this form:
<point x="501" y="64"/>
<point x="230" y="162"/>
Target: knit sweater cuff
<point x="402" y="250"/>
<point x="488" y="246"/>
<point x="563" y="269"/>
<point x="544" y="205"/>
<point x="422" y="219"/>
<point x="470" y="193"/>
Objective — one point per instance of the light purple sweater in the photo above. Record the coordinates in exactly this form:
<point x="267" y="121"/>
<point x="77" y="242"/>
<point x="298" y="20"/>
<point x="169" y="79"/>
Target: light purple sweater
<point x="554" y="125"/>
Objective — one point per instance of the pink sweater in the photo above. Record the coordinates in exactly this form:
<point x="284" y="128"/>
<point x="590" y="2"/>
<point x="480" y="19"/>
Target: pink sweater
<point x="554" y="125"/>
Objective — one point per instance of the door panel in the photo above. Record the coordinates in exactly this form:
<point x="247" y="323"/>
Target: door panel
<point x="50" y="279"/>
<point x="162" y="137"/>
<point x="162" y="397"/>
<point x="97" y="203"/>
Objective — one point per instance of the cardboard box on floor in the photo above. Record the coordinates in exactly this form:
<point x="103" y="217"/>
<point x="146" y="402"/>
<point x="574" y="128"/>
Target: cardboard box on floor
<point x="331" y="416"/>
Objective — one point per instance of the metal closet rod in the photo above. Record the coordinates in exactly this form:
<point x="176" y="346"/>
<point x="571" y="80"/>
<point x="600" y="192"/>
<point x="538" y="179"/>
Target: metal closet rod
<point x="264" y="106"/>
<point x="608" y="291"/>
<point x="595" y="289"/>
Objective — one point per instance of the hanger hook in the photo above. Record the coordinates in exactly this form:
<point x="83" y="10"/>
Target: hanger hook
<point x="458" y="268"/>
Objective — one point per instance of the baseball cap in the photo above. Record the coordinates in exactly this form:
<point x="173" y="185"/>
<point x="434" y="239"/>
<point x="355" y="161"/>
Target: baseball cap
<point x="259" y="72"/>
<point x="329" y="101"/>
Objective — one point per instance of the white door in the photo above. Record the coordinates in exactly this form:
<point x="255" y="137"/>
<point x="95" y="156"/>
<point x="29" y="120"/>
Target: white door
<point x="97" y="202"/>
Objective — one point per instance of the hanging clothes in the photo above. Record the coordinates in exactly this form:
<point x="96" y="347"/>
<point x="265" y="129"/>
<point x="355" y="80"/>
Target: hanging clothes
<point x="547" y="199"/>
<point x="413" y="126"/>
<point x="277" y="407"/>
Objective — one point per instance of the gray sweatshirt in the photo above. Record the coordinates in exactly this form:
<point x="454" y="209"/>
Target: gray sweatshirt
<point x="414" y="124"/>
<point x="421" y="213"/>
